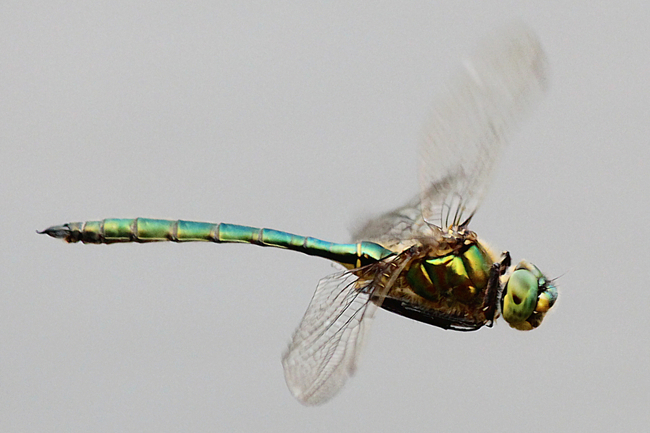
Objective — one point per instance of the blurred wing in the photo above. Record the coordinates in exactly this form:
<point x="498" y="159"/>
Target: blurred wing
<point x="325" y="347"/>
<point x="397" y="229"/>
<point x="472" y="120"/>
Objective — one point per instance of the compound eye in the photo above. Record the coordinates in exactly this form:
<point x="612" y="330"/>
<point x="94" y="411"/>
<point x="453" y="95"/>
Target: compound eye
<point x="520" y="298"/>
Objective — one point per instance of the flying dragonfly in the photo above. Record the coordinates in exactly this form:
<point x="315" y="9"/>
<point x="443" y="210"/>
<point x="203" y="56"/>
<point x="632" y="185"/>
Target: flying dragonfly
<point x="421" y="260"/>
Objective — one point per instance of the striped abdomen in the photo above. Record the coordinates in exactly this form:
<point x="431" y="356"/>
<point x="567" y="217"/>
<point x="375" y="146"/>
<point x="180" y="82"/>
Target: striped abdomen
<point x="144" y="230"/>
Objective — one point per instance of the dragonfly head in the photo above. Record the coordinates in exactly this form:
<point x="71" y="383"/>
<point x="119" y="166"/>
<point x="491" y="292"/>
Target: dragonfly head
<point x="527" y="296"/>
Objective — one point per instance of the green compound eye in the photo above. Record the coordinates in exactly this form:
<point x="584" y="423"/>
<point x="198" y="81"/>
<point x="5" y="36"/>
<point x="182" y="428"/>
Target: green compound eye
<point x="520" y="298"/>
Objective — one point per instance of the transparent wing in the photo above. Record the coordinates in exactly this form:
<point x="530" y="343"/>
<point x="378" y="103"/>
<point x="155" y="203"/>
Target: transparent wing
<point x="471" y="121"/>
<point x="396" y="229"/>
<point x="467" y="131"/>
<point x="325" y="348"/>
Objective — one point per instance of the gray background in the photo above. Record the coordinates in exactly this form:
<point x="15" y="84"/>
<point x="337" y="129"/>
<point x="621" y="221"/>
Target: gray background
<point x="305" y="117"/>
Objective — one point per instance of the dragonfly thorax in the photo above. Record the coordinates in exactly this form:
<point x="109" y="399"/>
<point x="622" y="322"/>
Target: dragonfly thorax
<point x="460" y="274"/>
<point x="452" y="284"/>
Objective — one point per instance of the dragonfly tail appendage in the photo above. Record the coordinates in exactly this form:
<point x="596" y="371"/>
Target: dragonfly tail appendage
<point x="57" y="232"/>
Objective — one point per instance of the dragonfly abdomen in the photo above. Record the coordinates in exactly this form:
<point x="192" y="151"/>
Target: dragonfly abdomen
<point x="144" y="230"/>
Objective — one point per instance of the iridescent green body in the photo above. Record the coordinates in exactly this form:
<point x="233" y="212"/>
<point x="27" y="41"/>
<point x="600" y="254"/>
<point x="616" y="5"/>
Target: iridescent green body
<point x="454" y="290"/>
<point x="144" y="230"/>
<point x="454" y="286"/>
<point x="460" y="276"/>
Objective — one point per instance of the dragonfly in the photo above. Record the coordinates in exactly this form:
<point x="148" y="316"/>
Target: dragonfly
<point x="420" y="260"/>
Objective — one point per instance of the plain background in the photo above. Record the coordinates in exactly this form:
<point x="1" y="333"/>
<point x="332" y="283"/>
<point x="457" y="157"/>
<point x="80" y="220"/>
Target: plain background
<point x="305" y="116"/>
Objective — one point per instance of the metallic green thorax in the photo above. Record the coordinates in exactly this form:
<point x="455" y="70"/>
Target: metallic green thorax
<point x="144" y="230"/>
<point x="454" y="290"/>
<point x="459" y="276"/>
<point x="455" y="287"/>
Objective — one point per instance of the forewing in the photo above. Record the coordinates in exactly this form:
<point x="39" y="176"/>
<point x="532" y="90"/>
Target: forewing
<point x="325" y="347"/>
<point x="395" y="228"/>
<point x="471" y="122"/>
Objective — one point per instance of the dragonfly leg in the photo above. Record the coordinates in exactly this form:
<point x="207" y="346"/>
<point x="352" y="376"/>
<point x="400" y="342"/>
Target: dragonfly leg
<point x="506" y="261"/>
<point x="494" y="287"/>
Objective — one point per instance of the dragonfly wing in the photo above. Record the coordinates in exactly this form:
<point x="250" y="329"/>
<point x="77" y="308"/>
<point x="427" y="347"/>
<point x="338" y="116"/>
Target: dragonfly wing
<point x="325" y="348"/>
<point x="395" y="228"/>
<point x="471" y="121"/>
